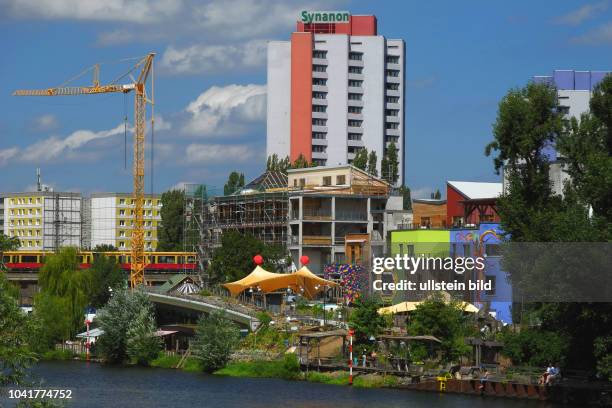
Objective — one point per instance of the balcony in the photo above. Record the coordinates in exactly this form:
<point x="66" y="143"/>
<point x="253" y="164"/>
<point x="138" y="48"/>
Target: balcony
<point x="316" y="214"/>
<point x="351" y="216"/>
<point x="316" y="240"/>
<point x="435" y="226"/>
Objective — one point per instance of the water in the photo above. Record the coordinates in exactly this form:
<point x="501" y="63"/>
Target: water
<point x="94" y="385"/>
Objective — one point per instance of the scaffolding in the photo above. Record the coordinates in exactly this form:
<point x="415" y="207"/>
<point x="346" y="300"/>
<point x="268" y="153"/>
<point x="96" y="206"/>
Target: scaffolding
<point x="61" y="221"/>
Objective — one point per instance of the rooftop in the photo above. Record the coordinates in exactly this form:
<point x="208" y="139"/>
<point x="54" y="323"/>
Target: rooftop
<point x="477" y="190"/>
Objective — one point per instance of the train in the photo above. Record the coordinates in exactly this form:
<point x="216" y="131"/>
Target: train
<point x="157" y="262"/>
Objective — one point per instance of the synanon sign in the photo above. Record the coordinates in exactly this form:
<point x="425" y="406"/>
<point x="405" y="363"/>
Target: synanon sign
<point x="324" y="16"/>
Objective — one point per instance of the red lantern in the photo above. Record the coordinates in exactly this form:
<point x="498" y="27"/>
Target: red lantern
<point x="258" y="259"/>
<point x="304" y="260"/>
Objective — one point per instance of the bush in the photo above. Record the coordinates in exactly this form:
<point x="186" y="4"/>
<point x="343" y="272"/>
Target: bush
<point x="57" y="355"/>
<point x="534" y="347"/>
<point x="142" y="345"/>
<point x="288" y="368"/>
<point x="214" y="341"/>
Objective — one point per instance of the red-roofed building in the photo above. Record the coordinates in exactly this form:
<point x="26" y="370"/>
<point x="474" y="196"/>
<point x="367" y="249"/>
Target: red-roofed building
<point x="470" y="203"/>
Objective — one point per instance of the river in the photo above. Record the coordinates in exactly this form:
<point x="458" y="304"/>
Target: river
<point x="94" y="385"/>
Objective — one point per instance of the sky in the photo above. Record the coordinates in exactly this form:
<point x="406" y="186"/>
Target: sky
<point x="210" y="82"/>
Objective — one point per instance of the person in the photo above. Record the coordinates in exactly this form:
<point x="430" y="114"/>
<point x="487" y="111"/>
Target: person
<point x="363" y="357"/>
<point x="373" y="359"/>
<point x="553" y="374"/>
<point x="544" y="377"/>
<point x="483" y="379"/>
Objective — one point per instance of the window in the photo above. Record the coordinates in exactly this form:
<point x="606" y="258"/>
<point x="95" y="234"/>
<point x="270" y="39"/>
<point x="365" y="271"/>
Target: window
<point x="319" y="162"/>
<point x="354" y="123"/>
<point x="319" y="54"/>
<point x="354" y="136"/>
<point x="121" y="212"/>
<point x="319" y="135"/>
<point x="355" y="83"/>
<point x="319" y="95"/>
<point x="392" y="73"/>
<point x="401" y="249"/>
<point x="425" y="222"/>
<point x="355" y="109"/>
<point x="149" y="234"/>
<point x="318" y="149"/>
<point x="302" y="182"/>
<point x="319" y="122"/>
<point x="319" y="68"/>
<point x="391" y="112"/>
<point x="392" y="99"/>
<point x="355" y="97"/>
<point x="122" y="223"/>
<point x="355" y="70"/>
<point x="319" y="108"/>
<point x="392" y="87"/>
<point x="327" y="181"/>
<point x="355" y="56"/>
<point x="122" y="233"/>
<point x="393" y="59"/>
<point x="340" y="180"/>
<point x="354" y="149"/>
<point x="391" y="125"/>
<point x="122" y="201"/>
<point x="563" y="109"/>
<point x="319" y="81"/>
<point x="457" y="221"/>
<point x="121" y="244"/>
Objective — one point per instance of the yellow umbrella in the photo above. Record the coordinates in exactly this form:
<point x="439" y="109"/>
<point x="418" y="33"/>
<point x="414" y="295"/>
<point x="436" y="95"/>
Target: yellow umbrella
<point x="405" y="307"/>
<point x="309" y="282"/>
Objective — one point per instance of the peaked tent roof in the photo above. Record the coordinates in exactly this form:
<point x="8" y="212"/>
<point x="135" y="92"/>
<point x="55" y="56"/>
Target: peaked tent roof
<point x="477" y="190"/>
<point x="311" y="283"/>
<point x="258" y="275"/>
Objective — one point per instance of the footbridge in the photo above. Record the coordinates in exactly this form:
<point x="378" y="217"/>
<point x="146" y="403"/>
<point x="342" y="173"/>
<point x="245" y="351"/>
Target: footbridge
<point x="243" y="316"/>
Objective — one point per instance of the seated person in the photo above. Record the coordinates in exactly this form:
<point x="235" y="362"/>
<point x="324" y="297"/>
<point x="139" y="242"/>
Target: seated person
<point x="553" y="375"/>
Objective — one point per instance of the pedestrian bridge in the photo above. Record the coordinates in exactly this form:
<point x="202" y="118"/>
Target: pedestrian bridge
<point x="238" y="314"/>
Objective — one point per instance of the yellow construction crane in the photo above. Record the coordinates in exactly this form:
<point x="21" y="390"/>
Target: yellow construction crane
<point x="138" y="85"/>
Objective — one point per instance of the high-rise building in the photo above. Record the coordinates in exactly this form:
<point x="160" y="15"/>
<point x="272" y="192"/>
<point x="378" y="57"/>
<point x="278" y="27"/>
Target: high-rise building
<point x="334" y="88"/>
<point x="112" y="220"/>
<point x="43" y="220"/>
<point x="574" y="90"/>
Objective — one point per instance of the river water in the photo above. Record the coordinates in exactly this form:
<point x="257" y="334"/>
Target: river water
<point x="94" y="385"/>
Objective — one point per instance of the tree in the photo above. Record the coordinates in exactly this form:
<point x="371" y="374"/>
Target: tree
<point x="170" y="232"/>
<point x="7" y="244"/>
<point x="215" y="338"/>
<point x="15" y="356"/>
<point x="276" y="164"/>
<point x="447" y="322"/>
<point x="116" y="319"/>
<point x="365" y="320"/>
<point x="105" y="248"/>
<point x="63" y="285"/>
<point x="105" y="274"/>
<point x="390" y="164"/>
<point x="534" y="347"/>
<point x="142" y="345"/>
<point x="361" y="159"/>
<point x="234" y="258"/>
<point x="372" y="162"/>
<point x="437" y="195"/>
<point x="406" y="198"/>
<point x="300" y="163"/>
<point x="235" y="182"/>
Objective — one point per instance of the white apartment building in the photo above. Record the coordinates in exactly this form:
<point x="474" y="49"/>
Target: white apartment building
<point x="334" y="88"/>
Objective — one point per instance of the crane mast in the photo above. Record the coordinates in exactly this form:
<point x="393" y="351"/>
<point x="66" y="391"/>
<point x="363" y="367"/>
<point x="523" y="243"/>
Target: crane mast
<point x="141" y="99"/>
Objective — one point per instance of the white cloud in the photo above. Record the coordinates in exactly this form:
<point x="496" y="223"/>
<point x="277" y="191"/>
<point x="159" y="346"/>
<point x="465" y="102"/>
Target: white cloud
<point x="7" y="154"/>
<point x="218" y="153"/>
<point x="597" y="36"/>
<point x="132" y="11"/>
<point x="582" y="14"/>
<point x="201" y="58"/>
<point x="45" y="123"/>
<point x="228" y="110"/>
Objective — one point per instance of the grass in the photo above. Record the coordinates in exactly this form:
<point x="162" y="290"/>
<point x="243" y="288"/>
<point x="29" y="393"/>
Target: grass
<point x="362" y="381"/>
<point x="287" y="369"/>
<point x="334" y="378"/>
<point x="164" y="361"/>
<point x="57" y="355"/>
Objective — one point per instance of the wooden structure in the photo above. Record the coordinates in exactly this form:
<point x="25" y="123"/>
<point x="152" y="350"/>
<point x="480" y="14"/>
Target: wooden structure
<point x="327" y="344"/>
<point x="428" y="213"/>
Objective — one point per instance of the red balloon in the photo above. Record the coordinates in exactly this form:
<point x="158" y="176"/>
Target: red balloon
<point x="258" y="259"/>
<point x="304" y="260"/>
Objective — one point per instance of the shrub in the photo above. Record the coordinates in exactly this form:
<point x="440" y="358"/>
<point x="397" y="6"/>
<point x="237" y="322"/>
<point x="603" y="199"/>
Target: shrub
<point x="214" y="341"/>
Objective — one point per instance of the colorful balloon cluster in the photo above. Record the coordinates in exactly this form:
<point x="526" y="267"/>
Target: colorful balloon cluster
<point x="352" y="278"/>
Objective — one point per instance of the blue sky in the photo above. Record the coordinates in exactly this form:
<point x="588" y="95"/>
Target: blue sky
<point x="461" y="57"/>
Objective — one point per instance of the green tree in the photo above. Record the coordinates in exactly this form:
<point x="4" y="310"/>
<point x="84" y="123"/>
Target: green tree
<point x="7" y="244"/>
<point x="235" y="182"/>
<point x="447" y="322"/>
<point x="534" y="347"/>
<point x="105" y="274"/>
<point x="64" y="285"/>
<point x="234" y="258"/>
<point x="276" y="164"/>
<point x="52" y="320"/>
<point x="172" y="213"/>
<point x="390" y="165"/>
<point x="365" y="320"/>
<point x="361" y="159"/>
<point x="437" y="195"/>
<point x="406" y="198"/>
<point x="105" y="248"/>
<point x="300" y="163"/>
<point x="215" y="339"/>
<point x="142" y="345"/>
<point x="116" y="319"/>
<point x="15" y="356"/>
<point x="372" y="162"/>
